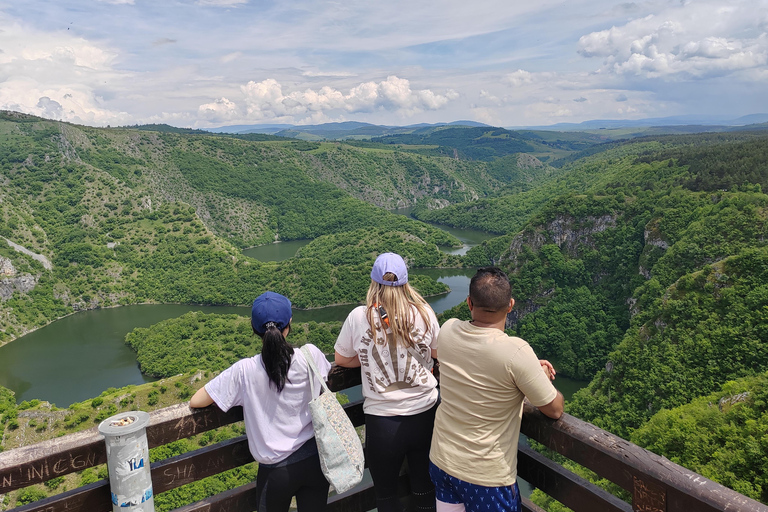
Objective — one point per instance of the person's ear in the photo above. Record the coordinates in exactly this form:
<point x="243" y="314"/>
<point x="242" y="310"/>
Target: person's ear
<point x="511" y="305"/>
<point x="469" y="303"/>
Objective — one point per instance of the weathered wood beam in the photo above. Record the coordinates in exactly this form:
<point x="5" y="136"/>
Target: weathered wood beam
<point x="93" y="497"/>
<point x="40" y="462"/>
<point x="565" y="486"/>
<point x="340" y="378"/>
<point x="529" y="506"/>
<point x="239" y="499"/>
<point x="358" y="499"/>
<point x="656" y="483"/>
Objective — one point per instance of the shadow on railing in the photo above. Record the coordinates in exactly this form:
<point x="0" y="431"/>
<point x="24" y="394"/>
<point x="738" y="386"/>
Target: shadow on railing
<point x="655" y="483"/>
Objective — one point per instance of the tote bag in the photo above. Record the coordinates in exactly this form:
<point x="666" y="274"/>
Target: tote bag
<point x="339" y="446"/>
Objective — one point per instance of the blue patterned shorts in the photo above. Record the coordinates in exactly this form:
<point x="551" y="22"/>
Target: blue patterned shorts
<point x="475" y="498"/>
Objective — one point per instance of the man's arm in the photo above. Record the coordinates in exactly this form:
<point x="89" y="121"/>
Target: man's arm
<point x="548" y="368"/>
<point x="553" y="409"/>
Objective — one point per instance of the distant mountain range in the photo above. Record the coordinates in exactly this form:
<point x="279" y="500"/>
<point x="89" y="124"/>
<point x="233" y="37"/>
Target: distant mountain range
<point x="338" y="131"/>
<point x="693" y="120"/>
<point x="354" y="130"/>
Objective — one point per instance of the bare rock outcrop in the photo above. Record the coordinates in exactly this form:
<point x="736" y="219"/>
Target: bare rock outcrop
<point x="568" y="233"/>
<point x="23" y="283"/>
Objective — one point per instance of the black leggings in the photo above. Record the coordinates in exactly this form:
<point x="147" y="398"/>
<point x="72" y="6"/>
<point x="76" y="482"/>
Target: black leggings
<point x="389" y="440"/>
<point x="277" y="484"/>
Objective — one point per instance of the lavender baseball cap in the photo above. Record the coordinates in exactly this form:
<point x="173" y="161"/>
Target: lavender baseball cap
<point x="389" y="262"/>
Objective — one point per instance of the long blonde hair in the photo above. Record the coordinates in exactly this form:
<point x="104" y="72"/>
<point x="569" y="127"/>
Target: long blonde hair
<point x="397" y="302"/>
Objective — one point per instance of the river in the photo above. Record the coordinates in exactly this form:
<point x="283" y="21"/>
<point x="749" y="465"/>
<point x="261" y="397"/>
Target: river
<point x="284" y="250"/>
<point x="81" y="355"/>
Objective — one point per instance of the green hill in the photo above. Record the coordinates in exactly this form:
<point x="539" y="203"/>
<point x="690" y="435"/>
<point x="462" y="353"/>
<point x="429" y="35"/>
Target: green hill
<point x="487" y="143"/>
<point x="720" y="435"/>
<point x="100" y="217"/>
<point x="649" y="254"/>
<point x="655" y="262"/>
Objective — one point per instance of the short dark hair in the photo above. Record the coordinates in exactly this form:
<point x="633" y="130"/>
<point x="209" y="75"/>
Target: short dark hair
<point x="490" y="289"/>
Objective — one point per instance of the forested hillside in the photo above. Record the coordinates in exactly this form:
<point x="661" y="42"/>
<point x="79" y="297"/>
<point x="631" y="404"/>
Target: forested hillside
<point x="488" y="144"/>
<point x="101" y="217"/>
<point x="640" y="266"/>
<point x="649" y="278"/>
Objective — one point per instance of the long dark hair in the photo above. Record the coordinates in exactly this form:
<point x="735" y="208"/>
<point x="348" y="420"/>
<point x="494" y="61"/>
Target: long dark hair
<point x="276" y="355"/>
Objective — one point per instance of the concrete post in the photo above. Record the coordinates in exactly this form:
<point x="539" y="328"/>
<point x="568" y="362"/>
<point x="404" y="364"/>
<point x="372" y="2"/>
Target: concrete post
<point x="128" y="461"/>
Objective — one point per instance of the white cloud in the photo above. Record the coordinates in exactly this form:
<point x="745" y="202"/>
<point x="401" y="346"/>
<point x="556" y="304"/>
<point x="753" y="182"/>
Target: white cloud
<point x="55" y="74"/>
<point x="338" y="74"/>
<point x="266" y="99"/>
<point x="317" y="60"/>
<point x="219" y="110"/>
<point x="230" y="57"/>
<point x="70" y="103"/>
<point x="162" y="41"/>
<point x="518" y="78"/>
<point x="697" y="39"/>
<point x="485" y="95"/>
<point x="222" y="3"/>
<point x="51" y="109"/>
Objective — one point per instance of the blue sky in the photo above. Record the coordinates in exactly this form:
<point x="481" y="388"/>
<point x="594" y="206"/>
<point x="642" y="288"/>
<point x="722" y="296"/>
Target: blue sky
<point x="207" y="63"/>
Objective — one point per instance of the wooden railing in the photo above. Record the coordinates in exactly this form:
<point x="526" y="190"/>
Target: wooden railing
<point x="655" y="483"/>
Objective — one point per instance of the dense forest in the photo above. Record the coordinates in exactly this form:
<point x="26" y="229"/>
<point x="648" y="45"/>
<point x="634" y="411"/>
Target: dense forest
<point x="654" y="261"/>
<point x="640" y="266"/>
<point x="121" y="216"/>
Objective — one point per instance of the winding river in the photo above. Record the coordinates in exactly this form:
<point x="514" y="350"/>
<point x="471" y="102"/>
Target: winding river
<point x="83" y="354"/>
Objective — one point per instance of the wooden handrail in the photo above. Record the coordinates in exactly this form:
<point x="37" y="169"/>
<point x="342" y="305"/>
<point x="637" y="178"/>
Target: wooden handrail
<point x="655" y="483"/>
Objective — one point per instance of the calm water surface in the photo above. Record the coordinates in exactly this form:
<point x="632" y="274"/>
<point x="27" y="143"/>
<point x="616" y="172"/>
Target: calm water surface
<point x="80" y="356"/>
<point x="283" y="250"/>
<point x="276" y="252"/>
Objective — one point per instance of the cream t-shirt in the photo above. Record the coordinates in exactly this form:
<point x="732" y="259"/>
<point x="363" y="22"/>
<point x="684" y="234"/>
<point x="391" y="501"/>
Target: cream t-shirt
<point x="395" y="383"/>
<point x="484" y="377"/>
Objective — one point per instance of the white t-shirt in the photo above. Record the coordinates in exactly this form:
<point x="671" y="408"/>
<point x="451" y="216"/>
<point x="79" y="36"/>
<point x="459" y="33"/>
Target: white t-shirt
<point x="276" y="424"/>
<point x="395" y="383"/>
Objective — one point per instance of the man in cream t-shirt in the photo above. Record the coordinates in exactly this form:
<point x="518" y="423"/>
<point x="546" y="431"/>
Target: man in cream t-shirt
<point x="484" y="377"/>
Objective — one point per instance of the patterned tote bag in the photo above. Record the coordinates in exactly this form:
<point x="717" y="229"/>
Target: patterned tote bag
<point x="339" y="446"/>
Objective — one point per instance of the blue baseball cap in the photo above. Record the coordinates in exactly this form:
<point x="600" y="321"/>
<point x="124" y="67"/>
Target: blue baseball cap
<point x="390" y="262"/>
<point x="270" y="307"/>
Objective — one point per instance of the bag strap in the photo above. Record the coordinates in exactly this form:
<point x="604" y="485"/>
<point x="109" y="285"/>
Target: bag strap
<point x="385" y="319"/>
<point x="313" y="371"/>
<point x="419" y="358"/>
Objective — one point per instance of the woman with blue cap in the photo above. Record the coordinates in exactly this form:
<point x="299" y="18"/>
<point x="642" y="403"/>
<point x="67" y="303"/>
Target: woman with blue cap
<point x="274" y="390"/>
<point x="393" y="339"/>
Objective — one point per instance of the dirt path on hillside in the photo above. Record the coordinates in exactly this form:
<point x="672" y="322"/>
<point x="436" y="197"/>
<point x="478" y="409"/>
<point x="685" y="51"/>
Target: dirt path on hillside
<point x="39" y="257"/>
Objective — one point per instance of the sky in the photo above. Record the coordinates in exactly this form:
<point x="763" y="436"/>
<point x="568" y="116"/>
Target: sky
<point x="211" y="63"/>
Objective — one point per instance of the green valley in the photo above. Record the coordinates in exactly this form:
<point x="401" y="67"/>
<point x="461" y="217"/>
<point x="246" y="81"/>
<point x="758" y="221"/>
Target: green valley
<point x="639" y="265"/>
